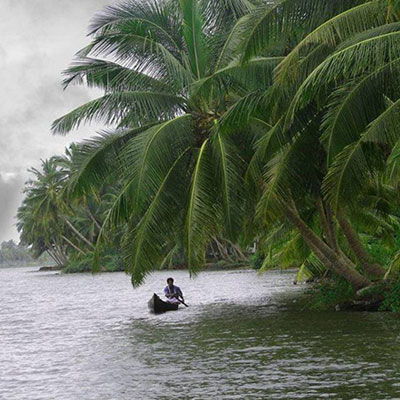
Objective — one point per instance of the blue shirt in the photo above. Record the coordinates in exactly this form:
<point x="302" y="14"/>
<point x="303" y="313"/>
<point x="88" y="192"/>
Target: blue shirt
<point x="173" y="290"/>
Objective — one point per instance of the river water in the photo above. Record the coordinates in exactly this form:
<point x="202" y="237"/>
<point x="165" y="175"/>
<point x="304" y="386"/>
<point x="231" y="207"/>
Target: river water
<point x="244" y="336"/>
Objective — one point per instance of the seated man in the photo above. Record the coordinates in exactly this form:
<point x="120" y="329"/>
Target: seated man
<point x="172" y="293"/>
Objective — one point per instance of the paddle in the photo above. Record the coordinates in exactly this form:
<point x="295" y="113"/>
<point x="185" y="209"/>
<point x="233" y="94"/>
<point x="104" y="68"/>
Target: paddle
<point x="181" y="301"/>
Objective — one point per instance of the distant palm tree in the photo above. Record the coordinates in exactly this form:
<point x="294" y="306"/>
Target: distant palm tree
<point x="48" y="220"/>
<point x="176" y="90"/>
<point x="40" y="220"/>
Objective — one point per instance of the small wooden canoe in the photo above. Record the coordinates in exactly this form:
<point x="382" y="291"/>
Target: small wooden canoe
<point x="157" y="306"/>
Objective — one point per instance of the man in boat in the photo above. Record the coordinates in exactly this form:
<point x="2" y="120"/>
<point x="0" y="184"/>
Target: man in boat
<point x="173" y="293"/>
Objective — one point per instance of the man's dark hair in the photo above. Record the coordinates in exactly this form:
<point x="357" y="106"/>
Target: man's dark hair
<point x="170" y="279"/>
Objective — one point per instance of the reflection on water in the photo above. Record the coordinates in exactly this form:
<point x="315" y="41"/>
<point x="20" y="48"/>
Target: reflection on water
<point x="243" y="337"/>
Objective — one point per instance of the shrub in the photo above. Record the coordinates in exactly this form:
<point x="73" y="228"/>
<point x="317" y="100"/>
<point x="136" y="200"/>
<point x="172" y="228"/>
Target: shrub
<point x="330" y="293"/>
<point x="391" y="301"/>
<point x="110" y="262"/>
<point x="256" y="261"/>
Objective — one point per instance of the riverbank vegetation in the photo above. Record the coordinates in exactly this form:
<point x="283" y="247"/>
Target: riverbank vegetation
<point x="233" y="122"/>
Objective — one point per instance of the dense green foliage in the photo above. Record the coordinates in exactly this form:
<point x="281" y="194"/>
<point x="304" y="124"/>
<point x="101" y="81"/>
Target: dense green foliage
<point x="233" y="122"/>
<point x="329" y="294"/>
<point x="391" y="300"/>
<point x="52" y="223"/>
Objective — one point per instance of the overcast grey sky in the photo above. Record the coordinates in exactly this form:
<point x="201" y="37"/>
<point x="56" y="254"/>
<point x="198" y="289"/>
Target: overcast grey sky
<point x="38" y="40"/>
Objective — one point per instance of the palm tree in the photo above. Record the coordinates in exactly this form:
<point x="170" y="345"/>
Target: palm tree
<point x="49" y="221"/>
<point x="177" y="95"/>
<point x="334" y="116"/>
<point x="40" y="215"/>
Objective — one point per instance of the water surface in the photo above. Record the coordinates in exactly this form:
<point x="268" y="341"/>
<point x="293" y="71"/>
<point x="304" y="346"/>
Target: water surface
<point x="244" y="336"/>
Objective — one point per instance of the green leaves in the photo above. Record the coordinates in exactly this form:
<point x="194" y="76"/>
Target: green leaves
<point x="257" y="74"/>
<point x="353" y="165"/>
<point x="194" y="36"/>
<point x="354" y="105"/>
<point x="348" y="63"/>
<point x="202" y="214"/>
<point x="334" y="31"/>
<point x="112" y="108"/>
<point x="288" y="21"/>
<point x="146" y="159"/>
<point x="97" y="160"/>
<point x="229" y="180"/>
<point x="111" y="76"/>
<point x="154" y="235"/>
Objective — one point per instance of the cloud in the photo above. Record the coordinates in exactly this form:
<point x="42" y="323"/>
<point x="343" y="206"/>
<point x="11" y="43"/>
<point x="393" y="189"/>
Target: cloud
<point x="39" y="40"/>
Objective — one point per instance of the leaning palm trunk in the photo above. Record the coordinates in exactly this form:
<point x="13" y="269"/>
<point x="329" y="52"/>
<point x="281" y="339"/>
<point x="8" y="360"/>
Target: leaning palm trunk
<point x="79" y="234"/>
<point x="74" y="246"/>
<point x="332" y="260"/>
<point x="327" y="224"/>
<point x="54" y="257"/>
<point x="373" y="269"/>
<point x="98" y="226"/>
<point x="57" y="255"/>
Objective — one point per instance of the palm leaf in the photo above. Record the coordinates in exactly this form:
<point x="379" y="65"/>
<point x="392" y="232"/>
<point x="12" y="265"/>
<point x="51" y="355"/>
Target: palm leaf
<point x="202" y="215"/>
<point x="288" y="19"/>
<point x="352" y="166"/>
<point x="218" y="12"/>
<point x="348" y="63"/>
<point x="291" y="172"/>
<point x="230" y="182"/>
<point x="354" y="105"/>
<point x="143" y="54"/>
<point x="194" y="36"/>
<point x="111" y="108"/>
<point x="257" y="74"/>
<point x="148" y="241"/>
<point x="334" y="31"/>
<point x="159" y="21"/>
<point x="111" y="76"/>
<point x="147" y="158"/>
<point x="98" y="160"/>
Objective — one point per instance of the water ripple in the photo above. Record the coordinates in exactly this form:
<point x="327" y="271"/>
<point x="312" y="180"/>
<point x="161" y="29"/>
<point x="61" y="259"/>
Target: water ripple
<point x="243" y="337"/>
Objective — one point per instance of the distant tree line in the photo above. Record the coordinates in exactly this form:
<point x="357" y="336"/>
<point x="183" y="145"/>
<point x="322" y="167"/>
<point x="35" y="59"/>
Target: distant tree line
<point x="12" y="254"/>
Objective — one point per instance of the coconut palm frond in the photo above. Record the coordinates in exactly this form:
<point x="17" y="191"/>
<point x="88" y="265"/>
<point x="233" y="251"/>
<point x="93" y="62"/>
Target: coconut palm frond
<point x="97" y="159"/>
<point x="149" y="239"/>
<point x="202" y="215"/>
<point x="354" y="105"/>
<point x="230" y="183"/>
<point x="290" y="19"/>
<point x="335" y="30"/>
<point x="111" y="108"/>
<point x="111" y="76"/>
<point x="349" y="63"/>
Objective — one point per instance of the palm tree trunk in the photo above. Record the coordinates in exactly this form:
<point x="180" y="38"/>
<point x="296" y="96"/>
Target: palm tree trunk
<point x="53" y="253"/>
<point x="327" y="226"/>
<point x="94" y="220"/>
<point x="222" y="250"/>
<point x="73" y="245"/>
<point x="328" y="256"/>
<point x="79" y="234"/>
<point x="53" y="256"/>
<point x="60" y="254"/>
<point x="326" y="216"/>
<point x="238" y="251"/>
<point x="371" y="268"/>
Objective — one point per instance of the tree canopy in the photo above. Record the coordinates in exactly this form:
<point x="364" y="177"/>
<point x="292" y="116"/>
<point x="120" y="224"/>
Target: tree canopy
<point x="234" y="121"/>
